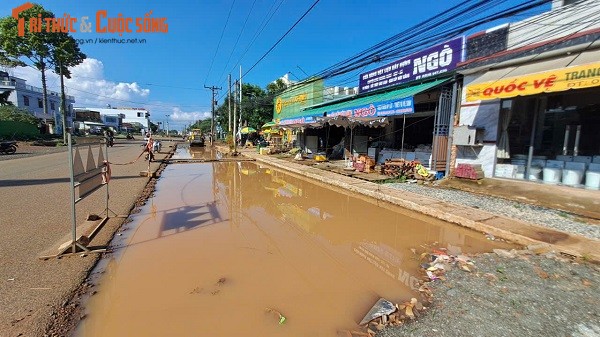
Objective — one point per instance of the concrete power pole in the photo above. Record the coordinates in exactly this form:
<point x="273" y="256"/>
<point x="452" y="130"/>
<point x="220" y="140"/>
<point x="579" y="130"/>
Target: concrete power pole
<point x="235" y="118"/>
<point x="212" y="105"/>
<point x="229" y="103"/>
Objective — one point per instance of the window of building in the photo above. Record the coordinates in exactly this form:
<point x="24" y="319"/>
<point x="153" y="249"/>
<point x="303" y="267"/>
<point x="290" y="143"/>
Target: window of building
<point x="26" y="100"/>
<point x="52" y="105"/>
<point x="40" y="103"/>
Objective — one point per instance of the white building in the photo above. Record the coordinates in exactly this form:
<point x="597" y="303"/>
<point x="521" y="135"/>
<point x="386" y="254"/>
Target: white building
<point x="112" y="115"/>
<point x="30" y="98"/>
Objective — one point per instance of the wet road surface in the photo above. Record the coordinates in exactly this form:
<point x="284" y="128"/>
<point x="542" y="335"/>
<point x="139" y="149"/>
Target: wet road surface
<point x="222" y="243"/>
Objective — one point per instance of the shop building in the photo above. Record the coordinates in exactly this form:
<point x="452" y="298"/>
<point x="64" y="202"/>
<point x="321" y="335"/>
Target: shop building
<point x="115" y="116"/>
<point x="414" y="94"/>
<point x="530" y="106"/>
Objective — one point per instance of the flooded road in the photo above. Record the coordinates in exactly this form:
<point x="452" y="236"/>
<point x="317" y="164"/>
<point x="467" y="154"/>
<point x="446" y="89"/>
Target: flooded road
<point x="222" y="243"/>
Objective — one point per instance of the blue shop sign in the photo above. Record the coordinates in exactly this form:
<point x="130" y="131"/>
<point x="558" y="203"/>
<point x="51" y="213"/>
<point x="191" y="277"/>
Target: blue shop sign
<point x="425" y="64"/>
<point x="393" y="107"/>
<point x="299" y="120"/>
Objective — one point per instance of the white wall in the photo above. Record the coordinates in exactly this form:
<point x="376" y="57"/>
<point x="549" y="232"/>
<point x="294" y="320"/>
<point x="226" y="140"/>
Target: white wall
<point x="560" y="22"/>
<point x="131" y="115"/>
<point x="481" y="115"/>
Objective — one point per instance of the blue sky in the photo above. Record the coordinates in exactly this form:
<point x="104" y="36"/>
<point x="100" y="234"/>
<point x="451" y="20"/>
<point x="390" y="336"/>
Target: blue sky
<point x="167" y="74"/>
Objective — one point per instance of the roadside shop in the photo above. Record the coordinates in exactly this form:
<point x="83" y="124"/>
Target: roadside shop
<point x="535" y="121"/>
<point x="414" y="94"/>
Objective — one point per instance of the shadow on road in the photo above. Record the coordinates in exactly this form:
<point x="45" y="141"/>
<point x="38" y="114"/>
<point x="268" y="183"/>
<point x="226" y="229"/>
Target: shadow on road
<point x="31" y="182"/>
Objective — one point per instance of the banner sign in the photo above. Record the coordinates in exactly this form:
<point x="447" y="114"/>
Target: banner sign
<point x="293" y="100"/>
<point x="298" y="120"/>
<point x="577" y="77"/>
<point x="430" y="62"/>
<point x="377" y="109"/>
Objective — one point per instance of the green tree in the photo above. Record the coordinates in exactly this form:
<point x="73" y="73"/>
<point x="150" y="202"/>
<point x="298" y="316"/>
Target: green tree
<point x="257" y="105"/>
<point x="12" y="113"/>
<point x="277" y="87"/>
<point x="35" y="46"/>
<point x="153" y="127"/>
<point x="4" y="98"/>
<point x="65" y="54"/>
<point x="203" y="125"/>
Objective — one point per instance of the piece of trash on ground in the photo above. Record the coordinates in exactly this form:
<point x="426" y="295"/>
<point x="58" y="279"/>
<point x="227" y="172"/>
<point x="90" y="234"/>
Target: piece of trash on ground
<point x="281" y="317"/>
<point x="380" y="308"/>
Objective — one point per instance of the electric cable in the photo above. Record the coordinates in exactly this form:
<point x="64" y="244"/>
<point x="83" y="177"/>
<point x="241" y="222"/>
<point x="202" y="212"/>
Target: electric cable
<point x="219" y="43"/>
<point x="281" y="38"/>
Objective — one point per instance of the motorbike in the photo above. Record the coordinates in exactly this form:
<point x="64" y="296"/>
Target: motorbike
<point x="130" y="136"/>
<point x="110" y="141"/>
<point x="8" y="147"/>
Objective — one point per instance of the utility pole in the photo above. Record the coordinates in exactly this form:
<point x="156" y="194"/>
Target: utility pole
<point x="240" y="96"/>
<point x="212" y="105"/>
<point x="229" y="103"/>
<point x="63" y="101"/>
<point x="235" y="119"/>
<point x="168" y="136"/>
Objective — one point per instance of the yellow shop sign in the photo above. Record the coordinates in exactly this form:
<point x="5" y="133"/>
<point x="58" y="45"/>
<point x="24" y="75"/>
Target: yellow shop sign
<point x="281" y="103"/>
<point x="578" y="77"/>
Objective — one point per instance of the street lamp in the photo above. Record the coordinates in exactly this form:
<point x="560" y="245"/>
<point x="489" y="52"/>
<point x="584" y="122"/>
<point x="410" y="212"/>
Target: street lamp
<point x="168" y="136"/>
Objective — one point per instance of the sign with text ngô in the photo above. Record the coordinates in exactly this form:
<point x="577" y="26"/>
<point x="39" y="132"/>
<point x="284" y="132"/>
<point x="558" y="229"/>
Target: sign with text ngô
<point x="425" y="64"/>
<point x="577" y="77"/>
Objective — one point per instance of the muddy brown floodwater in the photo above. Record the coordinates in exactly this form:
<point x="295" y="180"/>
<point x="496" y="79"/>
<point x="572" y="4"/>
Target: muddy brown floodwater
<point x="223" y="247"/>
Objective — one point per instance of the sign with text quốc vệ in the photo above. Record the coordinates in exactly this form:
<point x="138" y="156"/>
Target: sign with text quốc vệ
<point x="377" y="109"/>
<point x="425" y="64"/>
<point x="577" y="77"/>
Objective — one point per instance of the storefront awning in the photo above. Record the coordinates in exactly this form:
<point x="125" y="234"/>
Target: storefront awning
<point x="378" y="105"/>
<point x="93" y="123"/>
<point x="576" y="71"/>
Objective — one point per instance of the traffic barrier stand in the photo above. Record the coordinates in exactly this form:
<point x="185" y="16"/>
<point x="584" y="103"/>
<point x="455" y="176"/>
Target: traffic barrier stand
<point x="85" y="180"/>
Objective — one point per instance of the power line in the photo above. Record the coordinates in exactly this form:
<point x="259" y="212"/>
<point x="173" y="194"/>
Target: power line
<point x="259" y="31"/>
<point x="237" y="40"/>
<point x="281" y="38"/>
<point x="219" y="44"/>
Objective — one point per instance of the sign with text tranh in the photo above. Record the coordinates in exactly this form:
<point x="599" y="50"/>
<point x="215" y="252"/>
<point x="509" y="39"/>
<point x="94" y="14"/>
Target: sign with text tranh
<point x="577" y="77"/>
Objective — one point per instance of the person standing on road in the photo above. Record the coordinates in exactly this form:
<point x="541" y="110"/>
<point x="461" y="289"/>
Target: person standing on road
<point x="150" y="147"/>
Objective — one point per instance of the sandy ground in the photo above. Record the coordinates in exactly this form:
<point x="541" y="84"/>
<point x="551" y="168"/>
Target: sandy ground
<point x="520" y="295"/>
<point x="34" y="293"/>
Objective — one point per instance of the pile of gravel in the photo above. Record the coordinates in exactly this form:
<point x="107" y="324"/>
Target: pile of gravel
<point x="547" y="217"/>
<point x="527" y="295"/>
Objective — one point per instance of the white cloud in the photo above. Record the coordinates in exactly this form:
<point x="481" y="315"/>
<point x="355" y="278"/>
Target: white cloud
<point x="88" y="85"/>
<point x="179" y="115"/>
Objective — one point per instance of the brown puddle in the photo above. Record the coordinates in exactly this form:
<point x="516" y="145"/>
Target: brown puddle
<point x="221" y="243"/>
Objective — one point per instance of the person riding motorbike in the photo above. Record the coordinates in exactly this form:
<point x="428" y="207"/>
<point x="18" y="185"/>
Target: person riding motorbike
<point x="110" y="138"/>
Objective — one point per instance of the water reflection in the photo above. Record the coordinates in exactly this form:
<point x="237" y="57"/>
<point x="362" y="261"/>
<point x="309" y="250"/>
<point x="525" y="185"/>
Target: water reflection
<point x="220" y="242"/>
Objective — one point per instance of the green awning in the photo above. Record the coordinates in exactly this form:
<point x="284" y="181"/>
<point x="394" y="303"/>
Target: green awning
<point x="386" y="96"/>
<point x="268" y="125"/>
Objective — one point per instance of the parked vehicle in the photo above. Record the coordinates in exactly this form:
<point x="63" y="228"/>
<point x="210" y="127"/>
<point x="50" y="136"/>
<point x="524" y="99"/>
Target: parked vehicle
<point x="8" y="147"/>
<point x="196" y="138"/>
